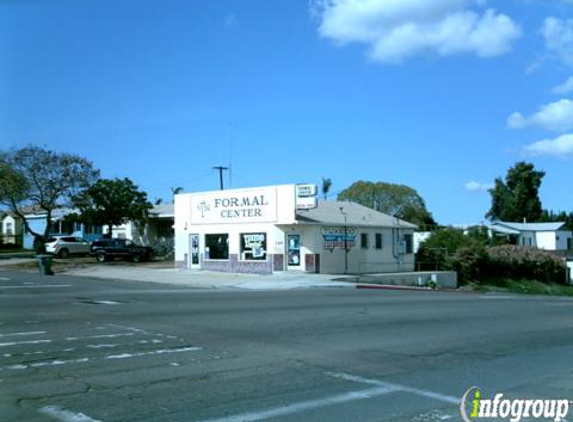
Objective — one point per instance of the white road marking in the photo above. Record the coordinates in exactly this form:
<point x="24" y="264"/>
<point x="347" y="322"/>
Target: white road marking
<point x="36" y="286"/>
<point x="4" y="279"/>
<point x="64" y="415"/>
<point x="27" y="333"/>
<point x="50" y="363"/>
<point x="306" y="405"/>
<point x="153" y="352"/>
<point x="150" y="341"/>
<point x="397" y="387"/>
<point x="101" y="346"/>
<point x="100" y="336"/>
<point x="17" y="343"/>
<point x="141" y="331"/>
<point x="380" y="389"/>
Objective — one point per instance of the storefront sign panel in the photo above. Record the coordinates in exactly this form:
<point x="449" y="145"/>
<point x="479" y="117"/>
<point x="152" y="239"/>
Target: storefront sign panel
<point x="258" y="206"/>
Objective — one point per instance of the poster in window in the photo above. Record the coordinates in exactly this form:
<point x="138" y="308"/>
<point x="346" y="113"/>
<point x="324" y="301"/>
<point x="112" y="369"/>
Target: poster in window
<point x="294" y="250"/>
<point x="254" y="246"/>
<point x="195" y="250"/>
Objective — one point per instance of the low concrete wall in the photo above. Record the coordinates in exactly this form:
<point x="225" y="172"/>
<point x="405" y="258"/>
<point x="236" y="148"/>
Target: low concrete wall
<point x="447" y="279"/>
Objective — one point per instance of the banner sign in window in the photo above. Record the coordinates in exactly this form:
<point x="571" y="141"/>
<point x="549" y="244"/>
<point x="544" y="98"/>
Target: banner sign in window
<point x="254" y="246"/>
<point x="338" y="237"/>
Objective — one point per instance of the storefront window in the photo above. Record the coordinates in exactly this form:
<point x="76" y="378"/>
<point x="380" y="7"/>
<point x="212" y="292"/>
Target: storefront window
<point x="254" y="246"/>
<point x="217" y="246"/>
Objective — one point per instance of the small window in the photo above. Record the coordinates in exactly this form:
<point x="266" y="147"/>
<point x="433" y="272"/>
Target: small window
<point x="378" y="239"/>
<point x="217" y="246"/>
<point x="409" y="243"/>
<point x="254" y="246"/>
<point x="364" y="240"/>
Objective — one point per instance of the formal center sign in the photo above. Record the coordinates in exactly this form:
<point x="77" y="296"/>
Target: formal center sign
<point x="253" y="206"/>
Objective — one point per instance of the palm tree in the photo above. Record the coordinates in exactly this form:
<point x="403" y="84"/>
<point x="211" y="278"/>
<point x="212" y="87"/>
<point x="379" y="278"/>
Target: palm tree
<point x="326" y="184"/>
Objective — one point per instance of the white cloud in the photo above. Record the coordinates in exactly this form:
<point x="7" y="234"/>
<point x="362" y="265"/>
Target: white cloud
<point x="558" y="34"/>
<point x="566" y="87"/>
<point x="556" y="116"/>
<point x="230" y="20"/>
<point x="561" y="146"/>
<point x="478" y="187"/>
<point x="395" y="30"/>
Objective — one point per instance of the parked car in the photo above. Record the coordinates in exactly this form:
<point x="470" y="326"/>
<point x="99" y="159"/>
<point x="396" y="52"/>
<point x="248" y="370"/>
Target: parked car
<point x="109" y="249"/>
<point x="63" y="246"/>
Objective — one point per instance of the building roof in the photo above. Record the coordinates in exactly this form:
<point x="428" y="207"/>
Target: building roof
<point x="334" y="212"/>
<point x="530" y="227"/>
<point x="162" y="210"/>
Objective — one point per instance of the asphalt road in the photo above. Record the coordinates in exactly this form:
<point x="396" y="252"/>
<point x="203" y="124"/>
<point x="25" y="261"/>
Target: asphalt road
<point x="78" y="349"/>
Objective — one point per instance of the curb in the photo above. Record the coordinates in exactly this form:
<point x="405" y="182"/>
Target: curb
<point x="408" y="288"/>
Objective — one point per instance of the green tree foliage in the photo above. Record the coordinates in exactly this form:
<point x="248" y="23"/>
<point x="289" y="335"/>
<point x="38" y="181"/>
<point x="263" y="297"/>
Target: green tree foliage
<point x="44" y="180"/>
<point x="443" y="243"/>
<point x="517" y="197"/>
<point x="326" y="185"/>
<point x="112" y="203"/>
<point x="562" y="216"/>
<point x="398" y="200"/>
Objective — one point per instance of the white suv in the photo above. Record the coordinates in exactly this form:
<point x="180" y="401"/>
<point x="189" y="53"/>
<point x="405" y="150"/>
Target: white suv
<point x="63" y="246"/>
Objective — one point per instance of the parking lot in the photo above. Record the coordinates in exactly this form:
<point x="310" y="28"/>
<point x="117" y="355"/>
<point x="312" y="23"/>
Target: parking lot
<point x="110" y="350"/>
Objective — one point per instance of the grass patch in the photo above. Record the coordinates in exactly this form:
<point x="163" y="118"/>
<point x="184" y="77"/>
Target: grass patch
<point x="531" y="287"/>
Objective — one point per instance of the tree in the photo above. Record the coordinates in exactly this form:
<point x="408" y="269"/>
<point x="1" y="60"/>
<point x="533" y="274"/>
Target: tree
<point x="44" y="180"/>
<point x="326" y="185"/>
<point x="548" y="216"/>
<point x="112" y="203"/>
<point x="397" y="200"/>
<point x="517" y="197"/>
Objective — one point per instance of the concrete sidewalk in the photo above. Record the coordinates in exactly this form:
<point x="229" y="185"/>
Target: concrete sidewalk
<point x="212" y="280"/>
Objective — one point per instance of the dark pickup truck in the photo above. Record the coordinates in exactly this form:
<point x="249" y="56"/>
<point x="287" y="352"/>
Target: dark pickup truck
<point x="109" y="249"/>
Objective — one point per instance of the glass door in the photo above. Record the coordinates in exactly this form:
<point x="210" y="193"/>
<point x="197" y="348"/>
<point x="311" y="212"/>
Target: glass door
<point x="194" y="251"/>
<point x="293" y="249"/>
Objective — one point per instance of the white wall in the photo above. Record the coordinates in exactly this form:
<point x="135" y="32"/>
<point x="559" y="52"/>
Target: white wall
<point x="191" y="218"/>
<point x="527" y="238"/>
<point x="553" y="241"/>
<point x="563" y="236"/>
<point x="361" y="260"/>
<point x="546" y="240"/>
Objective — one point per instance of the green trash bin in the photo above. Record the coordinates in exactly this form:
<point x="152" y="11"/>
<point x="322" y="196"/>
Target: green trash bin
<point x="45" y="264"/>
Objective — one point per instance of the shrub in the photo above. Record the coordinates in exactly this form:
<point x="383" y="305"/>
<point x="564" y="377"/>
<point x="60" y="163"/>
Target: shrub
<point x="469" y="262"/>
<point x="434" y="253"/>
<point x="524" y="262"/>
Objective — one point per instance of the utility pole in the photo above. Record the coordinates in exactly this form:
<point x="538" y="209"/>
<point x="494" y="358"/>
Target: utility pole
<point x="221" y="169"/>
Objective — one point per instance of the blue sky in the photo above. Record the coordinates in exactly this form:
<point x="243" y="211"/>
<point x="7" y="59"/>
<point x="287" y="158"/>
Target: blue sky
<point x="440" y="95"/>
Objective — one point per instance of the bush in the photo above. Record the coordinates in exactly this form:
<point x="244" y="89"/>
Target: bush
<point x="524" y="262"/>
<point x="469" y="262"/>
<point x="434" y="253"/>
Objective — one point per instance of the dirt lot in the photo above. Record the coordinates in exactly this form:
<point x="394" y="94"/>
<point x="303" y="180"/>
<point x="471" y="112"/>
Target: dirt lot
<point x="64" y="265"/>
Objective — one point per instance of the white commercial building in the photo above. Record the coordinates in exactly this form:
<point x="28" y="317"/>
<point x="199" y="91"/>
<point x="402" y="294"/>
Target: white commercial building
<point x="283" y="228"/>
